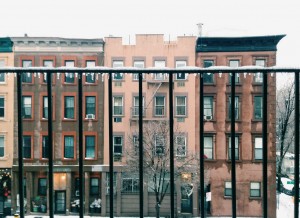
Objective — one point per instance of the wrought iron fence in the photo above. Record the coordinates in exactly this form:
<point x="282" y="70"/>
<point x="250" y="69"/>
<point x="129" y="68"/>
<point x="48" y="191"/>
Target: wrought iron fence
<point x="19" y="72"/>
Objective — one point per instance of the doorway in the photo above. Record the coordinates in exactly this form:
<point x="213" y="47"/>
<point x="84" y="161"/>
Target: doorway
<point x="60" y="202"/>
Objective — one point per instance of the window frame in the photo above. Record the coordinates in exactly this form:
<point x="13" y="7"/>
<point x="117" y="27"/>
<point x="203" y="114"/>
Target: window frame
<point x="73" y="135"/>
<point x="208" y="107"/>
<point x="135" y="75"/>
<point x="184" y="146"/>
<point x="42" y="96"/>
<point x="135" y="107"/>
<point x="28" y="134"/>
<point x="258" y="77"/>
<point x="208" y="78"/>
<point x="181" y="106"/>
<point x="133" y="182"/>
<point x="2" y="146"/>
<point x="87" y="95"/>
<point x="236" y="108"/>
<point x="2" y="108"/>
<point x="227" y="189"/>
<point x="96" y="187"/>
<point x="90" y="134"/>
<point x="42" y="190"/>
<point x="237" y="147"/>
<point x="178" y="75"/>
<point x="257" y="149"/>
<point x="25" y="74"/>
<point x="209" y="147"/>
<point x="161" y="145"/>
<point x="156" y="106"/>
<point x="28" y="94"/>
<point x="255" y="189"/>
<point x="121" y="145"/>
<point x="121" y="106"/>
<point x="64" y="95"/>
<point x="120" y="64"/>
<point x="256" y="108"/>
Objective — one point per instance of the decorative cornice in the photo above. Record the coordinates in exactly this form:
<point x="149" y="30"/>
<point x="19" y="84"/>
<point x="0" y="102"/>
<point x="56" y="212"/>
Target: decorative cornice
<point x="238" y="44"/>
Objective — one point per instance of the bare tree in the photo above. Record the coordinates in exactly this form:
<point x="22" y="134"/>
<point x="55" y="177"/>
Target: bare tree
<point x="156" y="160"/>
<point x="285" y="105"/>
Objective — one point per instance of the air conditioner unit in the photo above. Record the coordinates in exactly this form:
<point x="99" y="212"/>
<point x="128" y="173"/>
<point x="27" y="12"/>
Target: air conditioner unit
<point x="90" y="116"/>
<point x="207" y="117"/>
<point x="77" y="193"/>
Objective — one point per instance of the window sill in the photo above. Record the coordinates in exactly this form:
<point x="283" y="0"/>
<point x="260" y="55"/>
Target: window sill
<point x="255" y="198"/>
<point x="68" y="159"/>
<point x="237" y="121"/>
<point x="257" y="83"/>
<point x="227" y="197"/>
<point x="68" y="119"/>
<point x="236" y="161"/>
<point x="209" y="84"/>
<point x="256" y="120"/>
<point x="257" y="161"/>
<point x="210" y="160"/>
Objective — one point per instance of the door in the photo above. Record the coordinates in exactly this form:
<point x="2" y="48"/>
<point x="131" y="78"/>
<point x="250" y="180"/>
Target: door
<point x="186" y="199"/>
<point x="60" y="202"/>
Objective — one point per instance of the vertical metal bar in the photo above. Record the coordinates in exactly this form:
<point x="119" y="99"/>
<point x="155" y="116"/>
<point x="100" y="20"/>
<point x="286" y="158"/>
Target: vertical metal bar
<point x="141" y="152"/>
<point x="171" y="143"/>
<point x="20" y="143"/>
<point x="265" y="144"/>
<point x="296" y="187"/>
<point x="80" y="143"/>
<point x="111" y="149"/>
<point x="50" y="144"/>
<point x="201" y="125"/>
<point x="233" y="172"/>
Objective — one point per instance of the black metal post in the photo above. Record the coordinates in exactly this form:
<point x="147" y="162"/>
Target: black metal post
<point x="20" y="143"/>
<point x="111" y="149"/>
<point x="171" y="143"/>
<point x="265" y="144"/>
<point x="233" y="172"/>
<point x="50" y="144"/>
<point x="201" y="125"/>
<point x="296" y="187"/>
<point x="80" y="143"/>
<point x="141" y="150"/>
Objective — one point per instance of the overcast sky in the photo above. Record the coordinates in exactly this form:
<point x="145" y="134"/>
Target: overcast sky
<point x="101" y="18"/>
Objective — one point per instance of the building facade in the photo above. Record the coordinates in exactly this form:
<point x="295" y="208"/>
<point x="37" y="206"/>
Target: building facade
<point x="58" y="52"/>
<point x="148" y="51"/>
<point x="236" y="52"/>
<point x="6" y="125"/>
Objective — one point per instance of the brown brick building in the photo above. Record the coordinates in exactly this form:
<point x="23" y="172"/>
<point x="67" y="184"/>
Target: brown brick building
<point x="57" y="52"/>
<point x="237" y="52"/>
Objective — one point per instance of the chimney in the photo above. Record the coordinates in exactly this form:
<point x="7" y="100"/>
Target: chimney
<point x="199" y="29"/>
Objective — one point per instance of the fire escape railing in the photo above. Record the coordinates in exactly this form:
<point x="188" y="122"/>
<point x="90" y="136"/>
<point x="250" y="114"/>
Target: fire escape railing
<point x="170" y="72"/>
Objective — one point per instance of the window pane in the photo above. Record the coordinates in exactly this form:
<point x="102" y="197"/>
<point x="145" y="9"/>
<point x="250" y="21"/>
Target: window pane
<point x="69" y="107"/>
<point x="118" y="105"/>
<point x="45" y="147"/>
<point x="180" y="64"/>
<point x="90" y="105"/>
<point x="26" y="107"/>
<point x="118" y="142"/>
<point x="258" y="107"/>
<point x="181" y="145"/>
<point x="208" y="107"/>
<point x="208" y="147"/>
<point x="69" y="147"/>
<point x="45" y="107"/>
<point x="181" y="105"/>
<point x="90" y="147"/>
<point x="2" y="108"/>
<point x="159" y="105"/>
<point x="27" y="146"/>
<point x="2" y="146"/>
<point x="236" y="108"/>
<point x="236" y="148"/>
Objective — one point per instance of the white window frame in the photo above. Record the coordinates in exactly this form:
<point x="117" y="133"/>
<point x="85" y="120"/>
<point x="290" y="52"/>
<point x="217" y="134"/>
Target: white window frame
<point x="116" y="64"/>
<point x="2" y="145"/>
<point x="159" y="144"/>
<point x="2" y="64"/>
<point x="208" y="108"/>
<point x="3" y="107"/>
<point x="181" y="148"/>
<point x="159" y="64"/>
<point x="258" y="77"/>
<point x="134" y="180"/>
<point x="121" y="106"/>
<point x="236" y="107"/>
<point x="119" y="145"/>
<point x="180" y="64"/>
<point x="140" y="65"/>
<point x="227" y="188"/>
<point x="258" y="147"/>
<point x="135" y="111"/>
<point x="255" y="186"/>
<point x="158" y="106"/>
<point x="209" y="146"/>
<point x="184" y="106"/>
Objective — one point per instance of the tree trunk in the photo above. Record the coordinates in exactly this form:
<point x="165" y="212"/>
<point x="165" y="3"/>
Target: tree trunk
<point x="157" y="207"/>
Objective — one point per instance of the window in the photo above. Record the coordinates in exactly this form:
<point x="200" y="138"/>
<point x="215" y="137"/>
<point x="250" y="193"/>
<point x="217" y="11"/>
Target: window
<point x="2" y="75"/>
<point x="258" y="77"/>
<point x="234" y="63"/>
<point x="140" y="65"/>
<point x="45" y="147"/>
<point x="236" y="108"/>
<point x="180" y="64"/>
<point x="42" y="186"/>
<point x="108" y="182"/>
<point x="27" y="107"/>
<point x="118" y="105"/>
<point x="208" y="107"/>
<point x="255" y="189"/>
<point x="135" y="142"/>
<point x="208" y="147"/>
<point x="258" y="147"/>
<point x="159" y="64"/>
<point x="45" y="107"/>
<point x="228" y="190"/>
<point x="69" y="112"/>
<point x="76" y="185"/>
<point x="90" y="105"/>
<point x="24" y="186"/>
<point x="2" y="150"/>
<point x="130" y="183"/>
<point x="70" y="77"/>
<point x="90" y="77"/>
<point x="208" y="78"/>
<point x="118" y="145"/>
<point x="236" y="148"/>
<point x="2" y="107"/>
<point x="118" y="76"/>
<point x="159" y="106"/>
<point x="68" y="146"/>
<point x="27" y="77"/>
<point x="258" y="107"/>
<point x="46" y="63"/>
<point x="94" y="186"/>
<point x="27" y="146"/>
<point x="181" y="146"/>
<point x="180" y="105"/>
<point x="135" y="110"/>
<point x="90" y="142"/>
<point x="159" y="143"/>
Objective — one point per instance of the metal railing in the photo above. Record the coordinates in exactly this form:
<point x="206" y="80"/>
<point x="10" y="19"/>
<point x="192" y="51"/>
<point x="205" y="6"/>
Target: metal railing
<point x="170" y="72"/>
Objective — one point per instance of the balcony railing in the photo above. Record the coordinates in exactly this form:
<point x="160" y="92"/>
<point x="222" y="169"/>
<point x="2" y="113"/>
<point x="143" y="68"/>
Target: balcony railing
<point x="170" y="72"/>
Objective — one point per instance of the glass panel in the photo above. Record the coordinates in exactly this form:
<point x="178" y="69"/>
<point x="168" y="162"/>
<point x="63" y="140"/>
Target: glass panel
<point x="2" y="108"/>
<point x="69" y="147"/>
<point x="118" y="105"/>
<point x="1" y="146"/>
<point x="90" y="105"/>
<point x="90" y="146"/>
<point x="69" y="107"/>
<point x="45" y="147"/>
<point x="27" y="146"/>
<point x="208" y="147"/>
<point x="118" y="142"/>
<point x="258" y="110"/>
<point x="236" y="148"/>
<point x="181" y="105"/>
<point x="159" y="105"/>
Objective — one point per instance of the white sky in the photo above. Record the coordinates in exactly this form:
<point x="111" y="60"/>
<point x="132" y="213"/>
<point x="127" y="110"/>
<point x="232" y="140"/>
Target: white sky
<point x="101" y="18"/>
